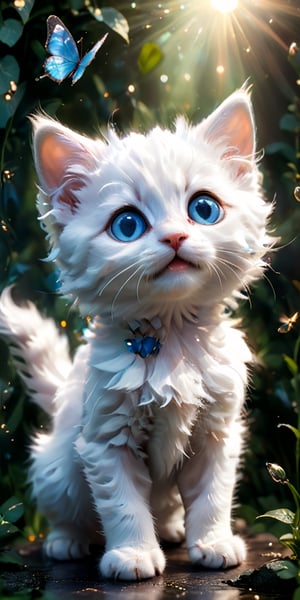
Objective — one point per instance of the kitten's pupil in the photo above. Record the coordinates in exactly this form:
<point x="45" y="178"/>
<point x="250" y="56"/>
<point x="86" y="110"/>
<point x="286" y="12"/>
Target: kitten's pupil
<point x="203" y="208"/>
<point x="128" y="226"/>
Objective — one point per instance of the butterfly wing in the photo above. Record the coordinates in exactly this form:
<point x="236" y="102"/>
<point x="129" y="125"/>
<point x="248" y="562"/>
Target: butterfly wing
<point x="87" y="59"/>
<point x="61" y="45"/>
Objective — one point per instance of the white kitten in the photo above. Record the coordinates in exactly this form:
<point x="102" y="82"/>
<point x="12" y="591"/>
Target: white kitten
<point x="154" y="236"/>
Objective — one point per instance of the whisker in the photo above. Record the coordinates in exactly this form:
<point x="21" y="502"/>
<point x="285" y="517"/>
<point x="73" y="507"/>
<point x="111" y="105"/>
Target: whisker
<point x="122" y="288"/>
<point x="214" y="268"/>
<point x="234" y="269"/>
<point x="138" y="286"/>
<point x="116" y="277"/>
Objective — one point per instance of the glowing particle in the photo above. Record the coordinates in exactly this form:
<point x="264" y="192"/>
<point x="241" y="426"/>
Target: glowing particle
<point x="256" y="597"/>
<point x="248" y="50"/>
<point x="63" y="323"/>
<point x="187" y="77"/>
<point x="148" y="26"/>
<point x="133" y="4"/>
<point x="164" y="78"/>
<point x="2" y="426"/>
<point x="31" y="538"/>
<point x="131" y="88"/>
<point x="224" y="6"/>
<point x="297" y="193"/>
<point x="6" y="175"/>
<point x="293" y="49"/>
<point x="220" y="69"/>
<point x="106" y="95"/>
<point x="7" y="96"/>
<point x="19" y="4"/>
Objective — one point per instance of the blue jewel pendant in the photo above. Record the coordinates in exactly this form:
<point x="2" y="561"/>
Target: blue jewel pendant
<point x="144" y="346"/>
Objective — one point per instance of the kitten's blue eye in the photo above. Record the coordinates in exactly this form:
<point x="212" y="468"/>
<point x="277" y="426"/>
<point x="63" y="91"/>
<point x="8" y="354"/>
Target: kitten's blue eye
<point x="128" y="226"/>
<point x="204" y="209"/>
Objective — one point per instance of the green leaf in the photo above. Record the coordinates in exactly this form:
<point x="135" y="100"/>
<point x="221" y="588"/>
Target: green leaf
<point x="283" y="148"/>
<point x="295" y="431"/>
<point x="112" y="18"/>
<point x="150" y="56"/>
<point x="292" y="365"/>
<point x="11" y="557"/>
<point x="5" y="506"/>
<point x="286" y="537"/>
<point x="285" y="569"/>
<point x="289" y="123"/>
<point x="9" y="71"/>
<point x="14" y="512"/>
<point x="7" y="529"/>
<point x="24" y="12"/>
<point x="10" y="32"/>
<point x="296" y="594"/>
<point x="285" y="515"/>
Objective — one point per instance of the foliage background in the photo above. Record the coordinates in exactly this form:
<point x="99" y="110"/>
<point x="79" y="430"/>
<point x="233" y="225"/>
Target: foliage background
<point x="133" y="85"/>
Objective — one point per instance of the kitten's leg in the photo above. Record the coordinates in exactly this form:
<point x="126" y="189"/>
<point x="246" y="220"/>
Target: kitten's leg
<point x="168" y="511"/>
<point x="121" y="485"/>
<point x="206" y="483"/>
<point x="63" y="496"/>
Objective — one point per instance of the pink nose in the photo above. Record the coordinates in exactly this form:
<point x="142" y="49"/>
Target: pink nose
<point x="175" y="240"/>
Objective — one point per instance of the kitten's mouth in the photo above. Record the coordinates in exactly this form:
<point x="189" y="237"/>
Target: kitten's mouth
<point x="176" y="265"/>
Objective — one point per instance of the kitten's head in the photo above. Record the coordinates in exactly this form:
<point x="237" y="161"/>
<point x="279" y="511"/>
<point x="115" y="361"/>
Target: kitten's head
<point x="144" y="225"/>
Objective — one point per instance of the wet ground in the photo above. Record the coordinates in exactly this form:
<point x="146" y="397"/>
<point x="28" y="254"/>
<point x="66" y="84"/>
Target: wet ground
<point x="51" y="580"/>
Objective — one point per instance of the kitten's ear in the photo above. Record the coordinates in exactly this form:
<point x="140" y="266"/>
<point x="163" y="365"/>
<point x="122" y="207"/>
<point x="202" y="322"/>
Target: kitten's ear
<point x="61" y="156"/>
<point x="232" y="125"/>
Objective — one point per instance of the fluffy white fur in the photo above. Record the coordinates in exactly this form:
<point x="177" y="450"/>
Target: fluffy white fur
<point x="142" y="449"/>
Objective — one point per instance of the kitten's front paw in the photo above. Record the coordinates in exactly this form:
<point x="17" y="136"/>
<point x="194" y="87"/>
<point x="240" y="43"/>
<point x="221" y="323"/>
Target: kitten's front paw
<point x="220" y="554"/>
<point x="132" y="563"/>
<point x="62" y="545"/>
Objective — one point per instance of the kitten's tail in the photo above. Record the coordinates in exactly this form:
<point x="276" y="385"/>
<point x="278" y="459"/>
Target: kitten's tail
<point x="39" y="353"/>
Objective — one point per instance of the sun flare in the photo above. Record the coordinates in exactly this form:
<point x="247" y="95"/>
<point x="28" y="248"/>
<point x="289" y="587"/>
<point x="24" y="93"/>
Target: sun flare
<point x="224" y="6"/>
<point x="233" y="40"/>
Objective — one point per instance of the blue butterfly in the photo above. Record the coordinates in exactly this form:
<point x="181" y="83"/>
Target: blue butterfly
<point x="65" y="60"/>
<point x="144" y="346"/>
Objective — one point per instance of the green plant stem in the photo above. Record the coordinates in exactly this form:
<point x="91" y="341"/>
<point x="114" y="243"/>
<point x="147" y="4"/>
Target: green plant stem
<point x="296" y="497"/>
<point x="297" y="394"/>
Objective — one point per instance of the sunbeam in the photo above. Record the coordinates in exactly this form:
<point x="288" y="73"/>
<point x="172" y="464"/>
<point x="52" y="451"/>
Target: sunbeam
<point x="232" y="40"/>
